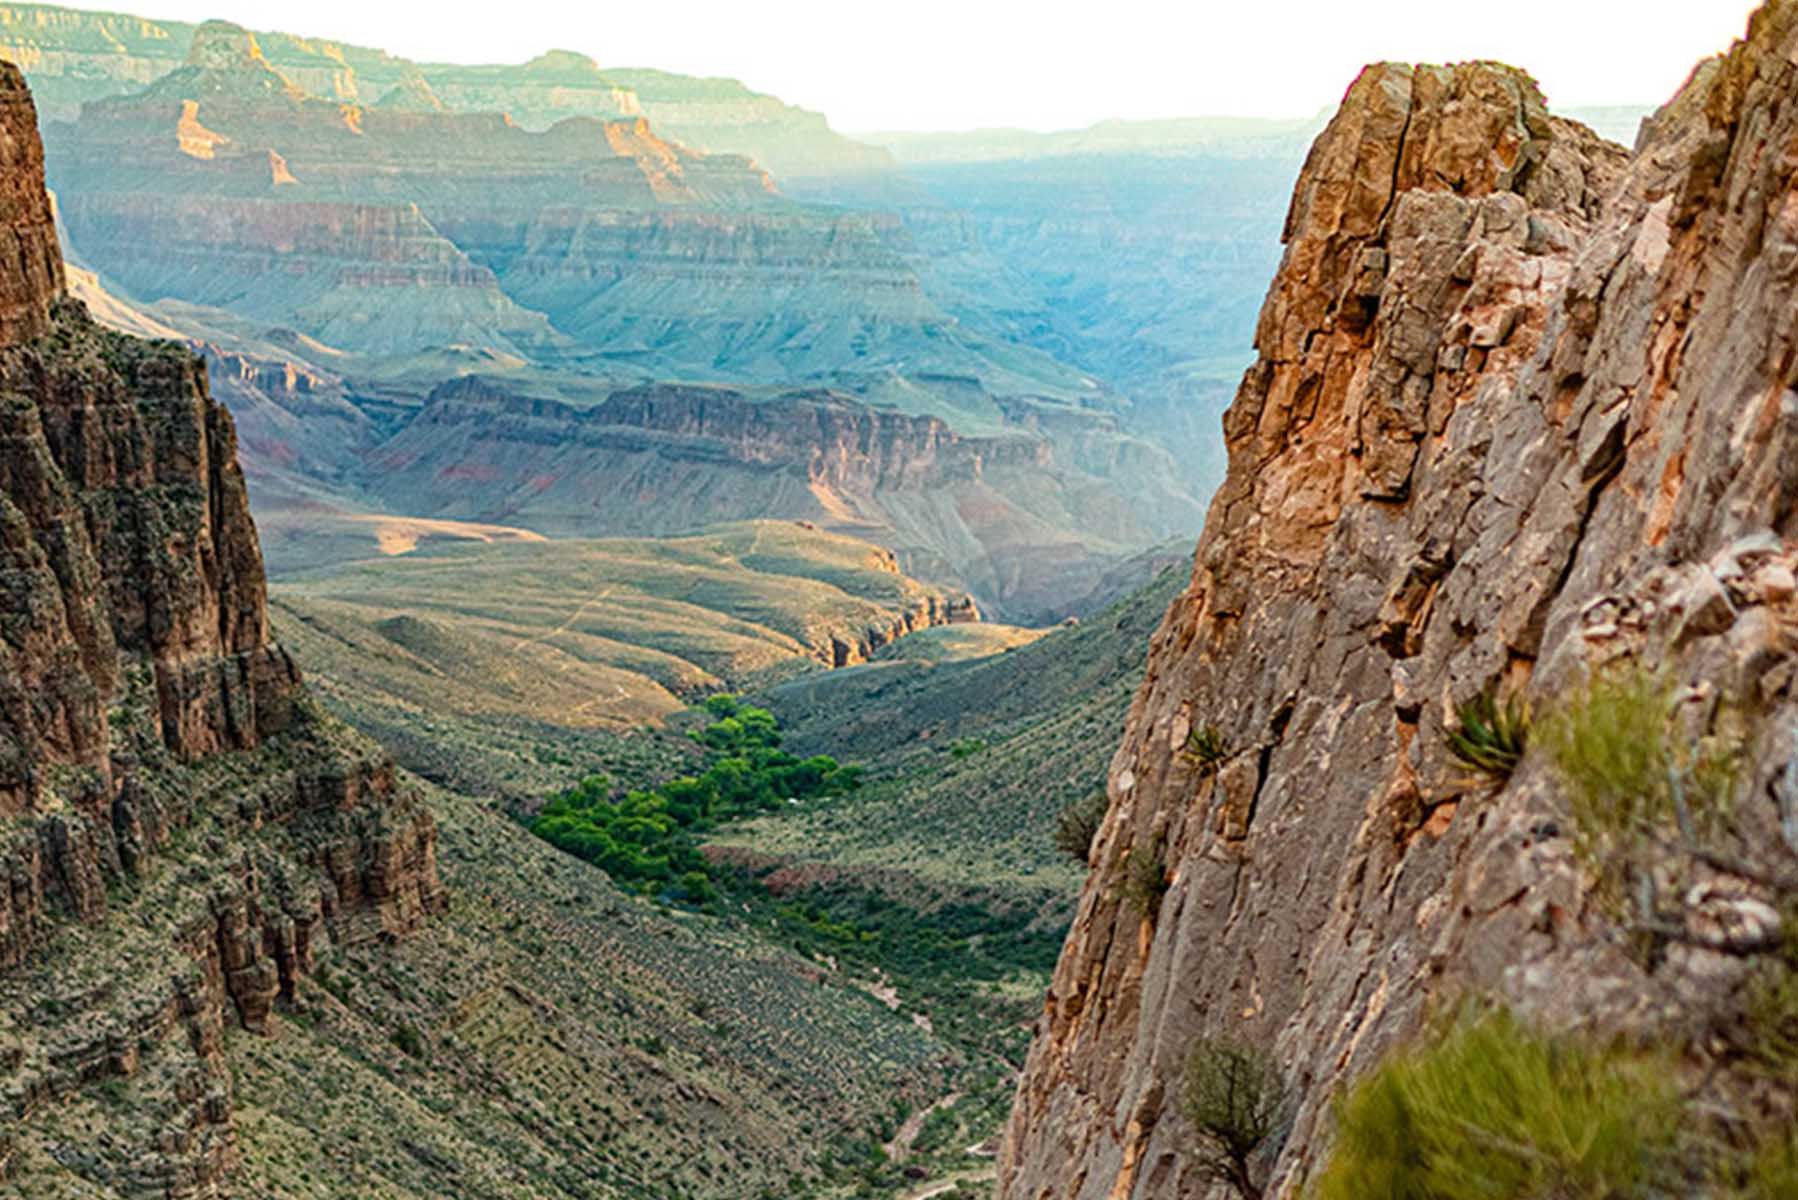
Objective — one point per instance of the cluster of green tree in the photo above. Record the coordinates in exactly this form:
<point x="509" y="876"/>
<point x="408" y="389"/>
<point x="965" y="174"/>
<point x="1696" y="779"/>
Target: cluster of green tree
<point x="649" y="839"/>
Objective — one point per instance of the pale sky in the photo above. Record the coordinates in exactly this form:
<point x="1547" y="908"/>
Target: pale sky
<point x="1040" y="64"/>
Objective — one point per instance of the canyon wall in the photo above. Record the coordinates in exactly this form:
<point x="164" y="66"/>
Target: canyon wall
<point x="1524" y="408"/>
<point x="175" y="807"/>
<point x="1027" y="518"/>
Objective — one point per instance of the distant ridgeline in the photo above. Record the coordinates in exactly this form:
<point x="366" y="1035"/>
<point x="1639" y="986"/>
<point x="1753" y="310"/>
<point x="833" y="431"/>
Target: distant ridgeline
<point x="483" y="294"/>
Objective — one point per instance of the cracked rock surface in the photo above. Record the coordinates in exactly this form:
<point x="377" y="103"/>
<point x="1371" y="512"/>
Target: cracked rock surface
<point x="1524" y="406"/>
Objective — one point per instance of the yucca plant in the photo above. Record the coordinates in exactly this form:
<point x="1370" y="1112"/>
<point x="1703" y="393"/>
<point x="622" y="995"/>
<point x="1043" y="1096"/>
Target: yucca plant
<point x="1205" y="749"/>
<point x="1491" y="735"/>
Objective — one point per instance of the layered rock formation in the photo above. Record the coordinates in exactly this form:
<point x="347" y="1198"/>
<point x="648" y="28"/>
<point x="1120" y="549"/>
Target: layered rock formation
<point x="226" y="184"/>
<point x="1524" y="408"/>
<point x="173" y="806"/>
<point x="1028" y="518"/>
<point x="73" y="57"/>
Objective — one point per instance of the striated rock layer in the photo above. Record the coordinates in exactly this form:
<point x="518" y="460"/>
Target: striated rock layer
<point x="170" y="804"/>
<point x="1024" y="519"/>
<point x="1524" y="406"/>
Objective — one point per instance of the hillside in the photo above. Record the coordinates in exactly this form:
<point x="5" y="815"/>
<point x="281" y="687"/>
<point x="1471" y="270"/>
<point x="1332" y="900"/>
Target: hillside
<point x="486" y="667"/>
<point x="970" y="760"/>
<point x="1469" y="745"/>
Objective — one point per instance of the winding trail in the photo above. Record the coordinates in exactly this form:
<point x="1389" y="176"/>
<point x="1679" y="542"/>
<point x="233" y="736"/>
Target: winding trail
<point x="900" y="1147"/>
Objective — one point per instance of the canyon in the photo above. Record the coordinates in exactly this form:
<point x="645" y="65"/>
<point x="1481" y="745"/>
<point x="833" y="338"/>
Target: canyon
<point x="402" y="458"/>
<point x="330" y="229"/>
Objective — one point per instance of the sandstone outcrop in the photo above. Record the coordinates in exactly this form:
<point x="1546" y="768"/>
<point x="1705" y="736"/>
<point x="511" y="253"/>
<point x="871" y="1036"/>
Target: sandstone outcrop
<point x="174" y="806"/>
<point x="1523" y="408"/>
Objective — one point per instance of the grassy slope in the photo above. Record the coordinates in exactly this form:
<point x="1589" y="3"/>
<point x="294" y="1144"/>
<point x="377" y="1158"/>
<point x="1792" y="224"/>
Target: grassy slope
<point x="970" y="760"/>
<point x="572" y="1041"/>
<point x="490" y="667"/>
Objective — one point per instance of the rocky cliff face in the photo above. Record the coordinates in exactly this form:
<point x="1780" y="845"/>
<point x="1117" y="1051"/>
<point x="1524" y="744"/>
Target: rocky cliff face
<point x="1524" y="407"/>
<point x="173" y="806"/>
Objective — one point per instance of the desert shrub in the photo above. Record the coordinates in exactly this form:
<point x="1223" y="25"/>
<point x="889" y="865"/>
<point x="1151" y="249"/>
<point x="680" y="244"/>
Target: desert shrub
<point x="410" y="1041"/>
<point x="1077" y="825"/>
<point x="1490" y="736"/>
<point x="1233" y="1095"/>
<point x="1632" y="786"/>
<point x="1145" y="879"/>
<point x="1492" y="1110"/>
<point x="1205" y="749"/>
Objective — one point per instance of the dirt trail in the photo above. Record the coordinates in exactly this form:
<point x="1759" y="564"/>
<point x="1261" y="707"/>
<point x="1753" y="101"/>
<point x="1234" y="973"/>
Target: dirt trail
<point x="938" y="1187"/>
<point x="900" y="1146"/>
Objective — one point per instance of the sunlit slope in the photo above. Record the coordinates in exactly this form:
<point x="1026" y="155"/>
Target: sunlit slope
<point x="970" y="760"/>
<point x="482" y="663"/>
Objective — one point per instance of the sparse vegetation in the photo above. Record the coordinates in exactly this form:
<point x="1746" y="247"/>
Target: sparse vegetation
<point x="966" y="747"/>
<point x="1490" y="735"/>
<point x="1145" y="879"/>
<point x="1492" y="1110"/>
<point x="1233" y="1095"/>
<point x="1077" y="825"/>
<point x="1640" y="796"/>
<point x="1206" y="749"/>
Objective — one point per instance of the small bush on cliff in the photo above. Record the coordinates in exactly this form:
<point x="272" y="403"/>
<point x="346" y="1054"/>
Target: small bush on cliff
<point x="1233" y="1095"/>
<point x="1077" y="825"/>
<point x="1206" y="749"/>
<point x="1491" y="1110"/>
<point x="1490" y="735"/>
<point x="1145" y="879"/>
<point x="1636" y="792"/>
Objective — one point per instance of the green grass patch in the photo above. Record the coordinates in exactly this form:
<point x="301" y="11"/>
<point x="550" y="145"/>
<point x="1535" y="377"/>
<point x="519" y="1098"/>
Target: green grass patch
<point x="1629" y="779"/>
<point x="1493" y="1110"/>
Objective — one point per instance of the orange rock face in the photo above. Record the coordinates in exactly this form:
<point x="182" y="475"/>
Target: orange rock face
<point x="27" y="231"/>
<point x="1524" y="406"/>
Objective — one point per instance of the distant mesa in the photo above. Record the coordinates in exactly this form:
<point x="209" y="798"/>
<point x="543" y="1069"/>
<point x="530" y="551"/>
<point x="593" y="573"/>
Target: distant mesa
<point x="562" y="62"/>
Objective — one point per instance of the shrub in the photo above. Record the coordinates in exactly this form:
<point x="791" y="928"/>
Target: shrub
<point x="1629" y="782"/>
<point x="1491" y="1110"/>
<point x="1490" y="736"/>
<point x="1206" y="749"/>
<point x="410" y="1041"/>
<point x="1077" y="825"/>
<point x="1145" y="880"/>
<point x="966" y="747"/>
<point x="1233" y="1096"/>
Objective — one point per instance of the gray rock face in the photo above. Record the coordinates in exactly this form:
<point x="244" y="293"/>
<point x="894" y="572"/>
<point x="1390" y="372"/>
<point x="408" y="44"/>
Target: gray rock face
<point x="1523" y="408"/>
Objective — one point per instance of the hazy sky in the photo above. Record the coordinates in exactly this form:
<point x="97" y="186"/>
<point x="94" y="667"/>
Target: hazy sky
<point x="1041" y="64"/>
